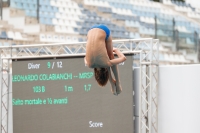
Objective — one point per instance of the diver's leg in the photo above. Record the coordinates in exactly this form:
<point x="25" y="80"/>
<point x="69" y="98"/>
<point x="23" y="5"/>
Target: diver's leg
<point x="109" y="48"/>
<point x="112" y="82"/>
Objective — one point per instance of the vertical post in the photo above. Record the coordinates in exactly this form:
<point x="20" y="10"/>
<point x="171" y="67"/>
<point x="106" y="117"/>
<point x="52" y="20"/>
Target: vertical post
<point x="150" y="86"/>
<point x="173" y="29"/>
<point x="156" y="105"/>
<point x="38" y="10"/>
<point x="157" y="85"/>
<point x="140" y="95"/>
<point x="156" y="27"/>
<point x="148" y="122"/>
<point x="1" y="9"/>
<point x="8" y="90"/>
<point x="195" y="41"/>
<point x="8" y="3"/>
<point x="1" y="86"/>
<point x="198" y="55"/>
<point x="177" y="40"/>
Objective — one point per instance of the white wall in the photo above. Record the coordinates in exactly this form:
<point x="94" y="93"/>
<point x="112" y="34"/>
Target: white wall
<point x="17" y="21"/>
<point x="34" y="28"/>
<point x="179" y="99"/>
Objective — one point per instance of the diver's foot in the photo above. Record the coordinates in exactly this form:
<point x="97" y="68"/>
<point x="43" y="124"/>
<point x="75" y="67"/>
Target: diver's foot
<point x="114" y="89"/>
<point x="118" y="89"/>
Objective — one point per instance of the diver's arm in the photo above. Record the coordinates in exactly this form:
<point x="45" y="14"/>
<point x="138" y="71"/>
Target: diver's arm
<point x="121" y="58"/>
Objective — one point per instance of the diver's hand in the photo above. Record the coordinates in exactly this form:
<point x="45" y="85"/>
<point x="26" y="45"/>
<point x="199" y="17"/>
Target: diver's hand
<point x="115" y="49"/>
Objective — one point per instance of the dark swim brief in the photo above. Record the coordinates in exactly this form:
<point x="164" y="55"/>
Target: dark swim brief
<point x="103" y="27"/>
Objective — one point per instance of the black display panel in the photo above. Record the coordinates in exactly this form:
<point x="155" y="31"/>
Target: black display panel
<point x="62" y="96"/>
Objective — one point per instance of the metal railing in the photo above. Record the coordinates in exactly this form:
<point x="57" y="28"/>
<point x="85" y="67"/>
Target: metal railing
<point x="147" y="48"/>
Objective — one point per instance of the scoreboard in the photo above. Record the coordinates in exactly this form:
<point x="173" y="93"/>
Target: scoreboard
<point x="62" y="96"/>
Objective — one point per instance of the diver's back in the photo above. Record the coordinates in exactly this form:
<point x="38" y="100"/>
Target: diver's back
<point x="96" y="53"/>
